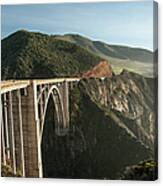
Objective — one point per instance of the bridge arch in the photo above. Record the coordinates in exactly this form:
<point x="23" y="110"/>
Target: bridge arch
<point x="55" y="94"/>
<point x="53" y="137"/>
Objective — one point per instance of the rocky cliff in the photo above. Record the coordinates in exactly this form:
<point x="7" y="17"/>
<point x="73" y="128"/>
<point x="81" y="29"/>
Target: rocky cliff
<point x="103" y="69"/>
<point x="113" y="125"/>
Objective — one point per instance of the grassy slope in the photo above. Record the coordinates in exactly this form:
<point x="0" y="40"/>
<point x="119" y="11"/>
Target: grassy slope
<point x="120" y="57"/>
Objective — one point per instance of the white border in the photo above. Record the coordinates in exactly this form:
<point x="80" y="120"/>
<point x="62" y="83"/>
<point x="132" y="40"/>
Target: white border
<point x="65" y="182"/>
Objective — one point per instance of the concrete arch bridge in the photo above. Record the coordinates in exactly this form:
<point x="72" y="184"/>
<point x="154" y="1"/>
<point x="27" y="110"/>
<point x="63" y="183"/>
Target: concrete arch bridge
<point x="23" y="111"/>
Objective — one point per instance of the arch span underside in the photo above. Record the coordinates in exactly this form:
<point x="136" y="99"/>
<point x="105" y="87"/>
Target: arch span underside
<point x="43" y="101"/>
<point x="53" y="143"/>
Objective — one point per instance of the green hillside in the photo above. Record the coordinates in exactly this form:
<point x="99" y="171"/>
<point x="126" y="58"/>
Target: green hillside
<point x="103" y="49"/>
<point x="134" y="59"/>
<point x="35" y="55"/>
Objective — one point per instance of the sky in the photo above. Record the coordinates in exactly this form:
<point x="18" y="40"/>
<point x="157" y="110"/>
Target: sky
<point x="125" y="23"/>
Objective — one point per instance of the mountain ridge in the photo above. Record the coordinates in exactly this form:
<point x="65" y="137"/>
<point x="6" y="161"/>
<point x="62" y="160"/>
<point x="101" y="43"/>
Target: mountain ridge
<point x="75" y="34"/>
<point x="80" y="40"/>
<point x="82" y="54"/>
<point x="34" y="55"/>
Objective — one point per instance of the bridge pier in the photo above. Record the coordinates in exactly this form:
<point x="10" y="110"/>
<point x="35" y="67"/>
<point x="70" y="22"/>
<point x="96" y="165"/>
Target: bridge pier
<point x="33" y="165"/>
<point x="65" y="96"/>
<point x="18" y="131"/>
<point x="3" y="153"/>
<point x="12" y="133"/>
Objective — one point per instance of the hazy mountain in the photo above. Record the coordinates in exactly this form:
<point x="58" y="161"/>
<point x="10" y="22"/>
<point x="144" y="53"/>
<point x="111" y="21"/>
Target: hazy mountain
<point x="134" y="59"/>
<point x="115" y="51"/>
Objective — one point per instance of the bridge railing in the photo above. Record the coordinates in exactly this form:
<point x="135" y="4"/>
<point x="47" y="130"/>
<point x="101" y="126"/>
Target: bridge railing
<point x="11" y="85"/>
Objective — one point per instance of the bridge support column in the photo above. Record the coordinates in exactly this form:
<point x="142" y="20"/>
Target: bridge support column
<point x="18" y="131"/>
<point x="65" y="98"/>
<point x="3" y="153"/>
<point x="12" y="135"/>
<point x="32" y="149"/>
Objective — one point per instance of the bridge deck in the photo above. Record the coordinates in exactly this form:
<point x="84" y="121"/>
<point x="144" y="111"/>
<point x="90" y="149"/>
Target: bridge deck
<point x="56" y="80"/>
<point x="11" y="85"/>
